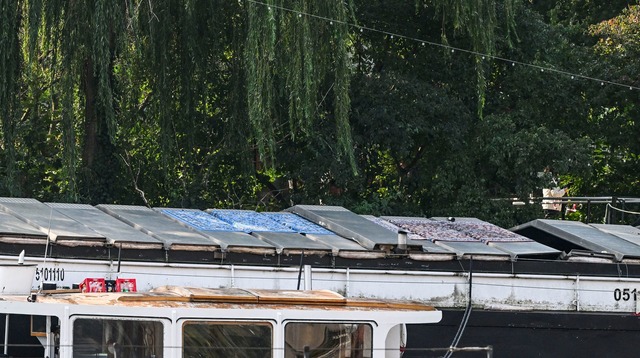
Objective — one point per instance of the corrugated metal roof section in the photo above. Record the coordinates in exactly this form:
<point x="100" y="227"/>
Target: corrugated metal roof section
<point x="48" y="220"/>
<point x="339" y="244"/>
<point x="302" y="227"/>
<point x="241" y="242"/>
<point x="526" y="249"/>
<point x="171" y="233"/>
<point x="298" y="223"/>
<point x="12" y="226"/>
<point x="197" y="219"/>
<point x="293" y="243"/>
<point x="113" y="229"/>
<point x="249" y="221"/>
<point x="348" y="224"/>
<point x="629" y="233"/>
<point x="230" y="240"/>
<point x="579" y="235"/>
<point x="477" y="250"/>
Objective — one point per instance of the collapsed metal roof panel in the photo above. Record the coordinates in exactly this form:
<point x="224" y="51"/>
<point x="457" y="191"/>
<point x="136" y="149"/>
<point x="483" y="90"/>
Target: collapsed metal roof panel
<point x="48" y="220"/>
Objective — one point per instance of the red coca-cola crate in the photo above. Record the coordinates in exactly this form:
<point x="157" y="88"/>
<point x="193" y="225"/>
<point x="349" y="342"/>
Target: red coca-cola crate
<point x="93" y="285"/>
<point x="126" y="285"/>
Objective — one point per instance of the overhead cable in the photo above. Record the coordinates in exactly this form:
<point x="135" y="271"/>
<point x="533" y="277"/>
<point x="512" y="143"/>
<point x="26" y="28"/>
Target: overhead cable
<point x="362" y="28"/>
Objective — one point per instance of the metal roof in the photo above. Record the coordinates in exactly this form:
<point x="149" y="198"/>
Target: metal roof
<point x="241" y="242"/>
<point x="114" y="230"/>
<point x="11" y="225"/>
<point x="413" y="239"/>
<point x="153" y="223"/>
<point x="292" y="241"/>
<point x="526" y="249"/>
<point x="223" y="233"/>
<point x="336" y="243"/>
<point x="46" y="219"/>
<point x="476" y="250"/>
<point x="347" y="224"/>
<point x="329" y="232"/>
<point x="564" y="234"/>
<point x="626" y="232"/>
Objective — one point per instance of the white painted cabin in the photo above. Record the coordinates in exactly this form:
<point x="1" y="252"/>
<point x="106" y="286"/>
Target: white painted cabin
<point x="172" y="321"/>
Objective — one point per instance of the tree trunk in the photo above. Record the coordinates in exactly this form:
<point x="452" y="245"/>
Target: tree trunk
<point x="90" y="88"/>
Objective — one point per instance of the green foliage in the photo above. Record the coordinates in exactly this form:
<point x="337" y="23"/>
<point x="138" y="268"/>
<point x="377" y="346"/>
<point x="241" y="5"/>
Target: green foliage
<point x="262" y="105"/>
<point x="287" y="79"/>
<point x="614" y="118"/>
<point x="479" y="21"/>
<point x="11" y="62"/>
<point x="579" y="12"/>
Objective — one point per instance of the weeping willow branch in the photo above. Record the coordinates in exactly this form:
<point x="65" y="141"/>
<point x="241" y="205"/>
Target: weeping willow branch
<point x="10" y="64"/>
<point x="107" y="57"/>
<point x="260" y="63"/>
<point x="290" y="62"/>
<point x="105" y="18"/>
<point x="478" y="19"/>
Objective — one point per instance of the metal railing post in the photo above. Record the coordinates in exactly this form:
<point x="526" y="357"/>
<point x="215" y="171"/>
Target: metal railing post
<point x="610" y="216"/>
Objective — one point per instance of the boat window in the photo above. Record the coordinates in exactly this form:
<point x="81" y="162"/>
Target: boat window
<point x="117" y="338"/>
<point x="27" y="335"/>
<point x="316" y="339"/>
<point x="226" y="339"/>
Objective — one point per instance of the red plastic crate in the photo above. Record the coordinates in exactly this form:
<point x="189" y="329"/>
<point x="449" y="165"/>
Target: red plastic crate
<point x="93" y="285"/>
<point x="126" y="285"/>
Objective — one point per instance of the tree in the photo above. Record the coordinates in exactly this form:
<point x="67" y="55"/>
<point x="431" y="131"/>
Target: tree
<point x="614" y="114"/>
<point x="10" y="67"/>
<point x="384" y="107"/>
<point x="112" y="64"/>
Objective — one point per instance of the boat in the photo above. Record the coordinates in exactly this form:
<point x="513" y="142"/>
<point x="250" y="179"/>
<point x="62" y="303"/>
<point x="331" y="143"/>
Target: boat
<point x="524" y="291"/>
<point x="174" y="321"/>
